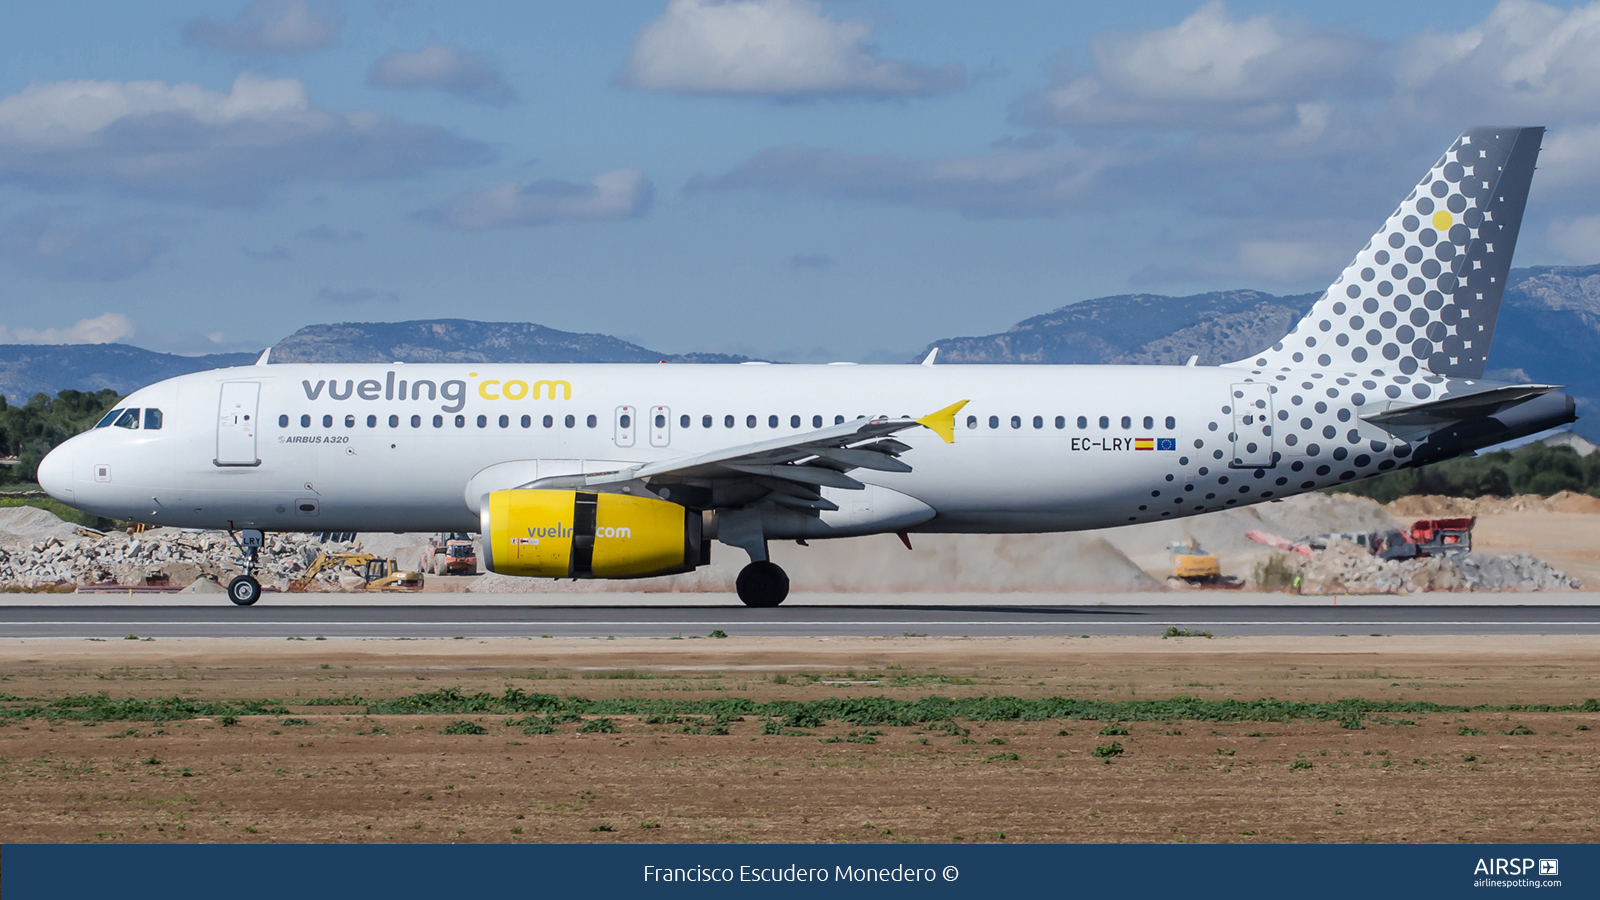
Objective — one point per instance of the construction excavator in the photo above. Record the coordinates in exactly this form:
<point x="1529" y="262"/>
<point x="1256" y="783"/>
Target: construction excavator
<point x="377" y="574"/>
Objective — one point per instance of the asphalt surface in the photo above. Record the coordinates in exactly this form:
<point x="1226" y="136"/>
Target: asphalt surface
<point x="282" y="621"/>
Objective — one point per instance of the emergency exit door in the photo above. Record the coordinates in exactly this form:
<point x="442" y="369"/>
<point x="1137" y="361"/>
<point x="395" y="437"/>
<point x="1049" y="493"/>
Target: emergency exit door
<point x="236" y="424"/>
<point x="1252" y="426"/>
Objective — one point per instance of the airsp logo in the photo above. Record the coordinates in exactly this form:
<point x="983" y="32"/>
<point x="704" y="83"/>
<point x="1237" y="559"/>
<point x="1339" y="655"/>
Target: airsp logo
<point x="1502" y="866"/>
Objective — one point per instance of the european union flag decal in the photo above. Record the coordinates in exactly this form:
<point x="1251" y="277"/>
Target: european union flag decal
<point x="1166" y="443"/>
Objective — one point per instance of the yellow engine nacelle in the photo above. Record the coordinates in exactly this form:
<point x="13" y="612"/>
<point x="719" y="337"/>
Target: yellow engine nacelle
<point x="577" y="534"/>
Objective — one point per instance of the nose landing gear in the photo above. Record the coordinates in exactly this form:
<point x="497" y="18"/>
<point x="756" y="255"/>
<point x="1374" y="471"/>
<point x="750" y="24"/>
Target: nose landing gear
<point x="245" y="590"/>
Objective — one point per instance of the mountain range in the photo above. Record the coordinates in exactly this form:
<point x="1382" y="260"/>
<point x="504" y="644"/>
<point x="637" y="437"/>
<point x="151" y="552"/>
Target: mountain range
<point x="1549" y="330"/>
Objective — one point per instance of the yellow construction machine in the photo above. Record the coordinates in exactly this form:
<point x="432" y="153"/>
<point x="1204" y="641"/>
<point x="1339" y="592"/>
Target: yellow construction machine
<point x="1194" y="565"/>
<point x="376" y="573"/>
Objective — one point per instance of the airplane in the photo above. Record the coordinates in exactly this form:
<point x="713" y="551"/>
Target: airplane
<point x="633" y="471"/>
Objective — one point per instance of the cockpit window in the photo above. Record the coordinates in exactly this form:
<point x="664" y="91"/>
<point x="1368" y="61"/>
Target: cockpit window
<point x="128" y="419"/>
<point x="152" y="419"/>
<point x="109" y="418"/>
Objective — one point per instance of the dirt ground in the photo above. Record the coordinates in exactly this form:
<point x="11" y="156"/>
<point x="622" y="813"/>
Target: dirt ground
<point x="335" y="774"/>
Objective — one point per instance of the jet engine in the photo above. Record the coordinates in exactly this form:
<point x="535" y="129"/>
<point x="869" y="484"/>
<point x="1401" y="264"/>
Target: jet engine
<point x="577" y="534"/>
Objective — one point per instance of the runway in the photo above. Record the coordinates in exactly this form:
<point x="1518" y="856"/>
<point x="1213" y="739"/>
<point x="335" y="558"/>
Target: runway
<point x="419" y="622"/>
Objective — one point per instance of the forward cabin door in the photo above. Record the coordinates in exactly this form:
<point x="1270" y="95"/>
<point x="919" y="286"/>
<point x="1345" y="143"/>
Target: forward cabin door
<point x="236" y="424"/>
<point x="1252" y="426"/>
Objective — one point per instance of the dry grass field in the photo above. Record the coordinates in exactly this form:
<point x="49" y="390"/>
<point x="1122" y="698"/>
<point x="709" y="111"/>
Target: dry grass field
<point x="632" y="740"/>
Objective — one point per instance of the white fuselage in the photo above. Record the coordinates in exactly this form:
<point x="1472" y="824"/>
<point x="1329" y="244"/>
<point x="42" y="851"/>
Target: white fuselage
<point x="1037" y="448"/>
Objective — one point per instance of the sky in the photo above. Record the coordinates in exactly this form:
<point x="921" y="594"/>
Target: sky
<point x="787" y="179"/>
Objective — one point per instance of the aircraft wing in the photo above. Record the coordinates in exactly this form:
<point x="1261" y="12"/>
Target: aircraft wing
<point x="791" y="468"/>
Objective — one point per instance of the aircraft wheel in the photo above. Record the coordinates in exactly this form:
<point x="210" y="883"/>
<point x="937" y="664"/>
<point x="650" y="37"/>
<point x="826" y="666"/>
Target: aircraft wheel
<point x="762" y="584"/>
<point x="244" y="590"/>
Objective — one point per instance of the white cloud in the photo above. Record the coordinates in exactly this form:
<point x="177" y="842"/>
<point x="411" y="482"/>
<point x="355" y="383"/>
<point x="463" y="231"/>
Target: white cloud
<point x="105" y="328"/>
<point x="1577" y="239"/>
<point x="446" y="68"/>
<point x="1528" y="61"/>
<point x="38" y="244"/>
<point x="1208" y="70"/>
<point x="770" y="48"/>
<point x="612" y="197"/>
<point x="187" y="140"/>
<point x="1021" y="183"/>
<point x="270" y="26"/>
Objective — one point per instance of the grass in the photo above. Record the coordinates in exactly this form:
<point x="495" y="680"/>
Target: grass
<point x="1467" y="729"/>
<point x="1111" y="730"/>
<point x="464" y="726"/>
<point x="601" y="725"/>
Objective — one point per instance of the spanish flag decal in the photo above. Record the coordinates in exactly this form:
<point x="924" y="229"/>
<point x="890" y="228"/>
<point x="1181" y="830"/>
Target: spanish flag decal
<point x="1144" y="443"/>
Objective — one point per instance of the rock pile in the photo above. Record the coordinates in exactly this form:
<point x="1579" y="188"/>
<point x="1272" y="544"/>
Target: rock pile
<point x="164" y="555"/>
<point x="1347" y="568"/>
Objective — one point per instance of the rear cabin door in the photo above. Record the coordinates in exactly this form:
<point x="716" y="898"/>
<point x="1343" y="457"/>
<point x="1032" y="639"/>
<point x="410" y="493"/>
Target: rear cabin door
<point x="236" y="424"/>
<point x="1252" y="426"/>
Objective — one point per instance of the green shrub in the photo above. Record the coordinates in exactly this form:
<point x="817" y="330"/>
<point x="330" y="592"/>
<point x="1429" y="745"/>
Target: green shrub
<point x="1467" y="729"/>
<point x="1300" y="764"/>
<point x="1113" y="730"/>
<point x="1107" y="751"/>
<point x="464" y="726"/>
<point x="601" y="725"/>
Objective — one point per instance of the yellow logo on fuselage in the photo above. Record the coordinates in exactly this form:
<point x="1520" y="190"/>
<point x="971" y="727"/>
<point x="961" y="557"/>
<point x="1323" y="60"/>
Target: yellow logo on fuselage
<point x="516" y="389"/>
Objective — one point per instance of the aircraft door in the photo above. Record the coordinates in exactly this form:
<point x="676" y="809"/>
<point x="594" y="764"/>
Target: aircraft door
<point x="627" y="421"/>
<point x="236" y="424"/>
<point x="660" y="426"/>
<point x="1252" y="426"/>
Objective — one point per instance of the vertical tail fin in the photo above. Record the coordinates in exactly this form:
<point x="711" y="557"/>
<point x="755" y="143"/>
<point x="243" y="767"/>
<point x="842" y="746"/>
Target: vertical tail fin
<point x="1425" y="291"/>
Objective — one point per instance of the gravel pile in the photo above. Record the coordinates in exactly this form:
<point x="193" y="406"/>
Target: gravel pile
<point x="165" y="555"/>
<point x="1346" y="568"/>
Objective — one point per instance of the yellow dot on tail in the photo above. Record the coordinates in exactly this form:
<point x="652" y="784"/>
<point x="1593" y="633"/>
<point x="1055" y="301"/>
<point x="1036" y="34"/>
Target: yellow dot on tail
<point x="1441" y="221"/>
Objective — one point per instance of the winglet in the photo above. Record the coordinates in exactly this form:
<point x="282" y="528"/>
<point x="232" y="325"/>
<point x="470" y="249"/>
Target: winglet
<point x="928" y="361"/>
<point x="943" y="422"/>
<point x="265" y="354"/>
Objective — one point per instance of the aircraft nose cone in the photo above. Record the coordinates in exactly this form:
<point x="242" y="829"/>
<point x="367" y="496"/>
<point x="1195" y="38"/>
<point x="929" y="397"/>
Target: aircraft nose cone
<point x="55" y="474"/>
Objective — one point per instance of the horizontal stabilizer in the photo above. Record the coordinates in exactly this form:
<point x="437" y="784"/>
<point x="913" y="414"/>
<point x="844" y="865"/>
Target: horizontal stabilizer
<point x="1421" y="418"/>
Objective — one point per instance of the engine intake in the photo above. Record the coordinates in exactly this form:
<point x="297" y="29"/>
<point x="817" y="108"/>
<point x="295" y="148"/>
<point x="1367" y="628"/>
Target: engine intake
<point x="576" y="534"/>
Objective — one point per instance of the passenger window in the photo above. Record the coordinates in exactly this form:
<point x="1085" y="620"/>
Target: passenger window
<point x="794" y="421"/>
<point x="1038" y="421"/>
<point x="816" y="421"/>
<point x="838" y="420"/>
<point x="461" y="421"/>
<point x="661" y="421"/>
<point x="705" y="421"/>
<point x="727" y="421"/>
<point x="1149" y="423"/>
<point x="1105" y="422"/>
<point x="549" y="422"/>
<point x="283" y="421"/>
<point x="972" y="421"/>
<point x="372" y="421"/>
<point x="112" y="417"/>
<point x="1171" y="423"/>
<point x="772" y="421"/>
<point x="527" y="421"/>
<point x="128" y="419"/>
<point x="505" y="421"/>
<point x="327" y="421"/>
<point x="994" y="421"/>
<point x="416" y="421"/>
<point x="592" y="422"/>
<point x="1061" y="421"/>
<point x="1127" y="422"/>
<point x="438" y="421"/>
<point x="570" y="421"/>
<point x="394" y="421"/>
<point x="749" y="421"/>
<point x="349" y="421"/>
<point x="683" y="421"/>
<point x="305" y="421"/>
<point x="1016" y="421"/>
<point x="483" y="421"/>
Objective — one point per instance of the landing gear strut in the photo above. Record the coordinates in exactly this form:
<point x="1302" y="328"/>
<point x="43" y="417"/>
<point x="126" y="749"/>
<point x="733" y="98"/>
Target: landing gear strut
<point x="762" y="584"/>
<point x="245" y="590"/>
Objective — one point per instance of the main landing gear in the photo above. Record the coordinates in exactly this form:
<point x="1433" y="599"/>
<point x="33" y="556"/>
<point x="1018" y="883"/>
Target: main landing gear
<point x="762" y="584"/>
<point x="245" y="590"/>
